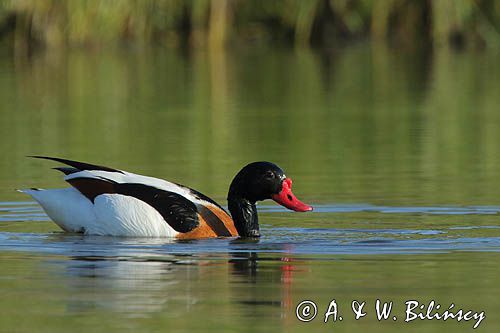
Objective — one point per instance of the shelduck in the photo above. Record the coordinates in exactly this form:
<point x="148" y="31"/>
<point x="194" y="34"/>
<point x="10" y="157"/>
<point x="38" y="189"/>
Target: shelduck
<point x="108" y="201"/>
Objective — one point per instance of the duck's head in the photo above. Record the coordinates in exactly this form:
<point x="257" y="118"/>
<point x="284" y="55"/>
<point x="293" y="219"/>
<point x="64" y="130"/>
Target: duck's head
<point x="256" y="182"/>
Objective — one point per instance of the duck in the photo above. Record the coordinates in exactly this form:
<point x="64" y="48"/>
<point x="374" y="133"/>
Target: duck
<point x="111" y="202"/>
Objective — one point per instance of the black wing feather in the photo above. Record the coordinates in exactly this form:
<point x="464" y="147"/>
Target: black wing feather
<point x="67" y="170"/>
<point x="78" y="165"/>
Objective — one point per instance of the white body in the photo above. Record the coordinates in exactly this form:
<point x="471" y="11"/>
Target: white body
<point x="109" y="214"/>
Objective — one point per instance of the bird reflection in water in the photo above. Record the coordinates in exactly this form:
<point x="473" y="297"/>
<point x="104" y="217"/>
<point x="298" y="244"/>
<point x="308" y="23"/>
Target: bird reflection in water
<point x="138" y="282"/>
<point x="269" y="279"/>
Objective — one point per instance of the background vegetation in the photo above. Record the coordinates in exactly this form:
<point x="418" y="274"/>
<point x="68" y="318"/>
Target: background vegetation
<point x="95" y="23"/>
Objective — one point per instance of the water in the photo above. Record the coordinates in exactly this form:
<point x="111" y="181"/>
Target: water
<point x="397" y="151"/>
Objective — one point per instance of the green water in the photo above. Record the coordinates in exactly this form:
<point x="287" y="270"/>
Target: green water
<point x="398" y="151"/>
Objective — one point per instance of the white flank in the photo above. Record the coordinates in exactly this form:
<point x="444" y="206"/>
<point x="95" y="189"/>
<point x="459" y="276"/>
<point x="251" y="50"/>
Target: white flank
<point x="111" y="214"/>
<point x="121" y="215"/>
<point x="67" y="207"/>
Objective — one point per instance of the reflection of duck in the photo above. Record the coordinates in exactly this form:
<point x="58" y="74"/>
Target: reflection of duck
<point x="136" y="284"/>
<point x="267" y="282"/>
<point x="129" y="285"/>
<point x="141" y="277"/>
<point x="106" y="201"/>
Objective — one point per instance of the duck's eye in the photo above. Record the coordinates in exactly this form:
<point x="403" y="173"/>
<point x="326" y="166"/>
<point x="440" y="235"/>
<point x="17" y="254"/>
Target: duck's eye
<point x="269" y="175"/>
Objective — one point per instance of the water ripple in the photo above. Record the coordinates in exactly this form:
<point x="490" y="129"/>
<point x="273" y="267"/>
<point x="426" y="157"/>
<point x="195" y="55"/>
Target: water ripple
<point x="329" y="241"/>
<point x="452" y="210"/>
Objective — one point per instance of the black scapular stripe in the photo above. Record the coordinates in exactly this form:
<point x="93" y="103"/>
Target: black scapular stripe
<point x="78" y="165"/>
<point x="92" y="187"/>
<point x="180" y="213"/>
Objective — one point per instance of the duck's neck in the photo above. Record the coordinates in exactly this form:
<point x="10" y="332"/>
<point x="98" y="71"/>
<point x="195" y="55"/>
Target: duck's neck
<point x="241" y="203"/>
<point x="244" y="215"/>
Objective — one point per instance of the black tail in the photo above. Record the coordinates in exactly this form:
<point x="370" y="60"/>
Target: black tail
<point x="77" y="165"/>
